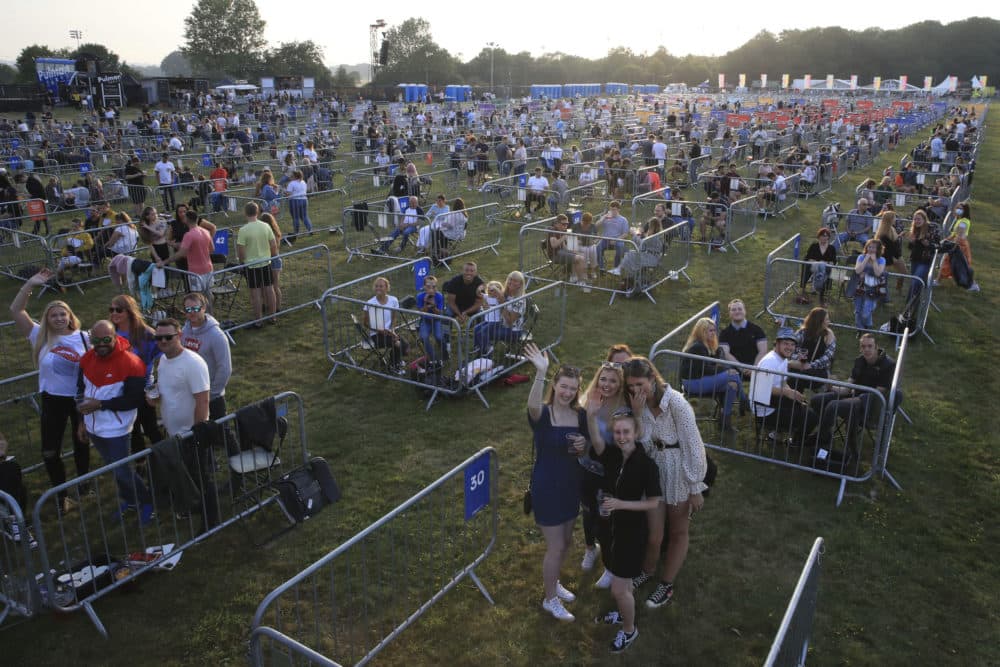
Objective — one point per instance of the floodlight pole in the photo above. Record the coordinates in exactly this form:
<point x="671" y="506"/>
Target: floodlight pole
<point x="493" y="48"/>
<point x="373" y="49"/>
<point x="77" y="35"/>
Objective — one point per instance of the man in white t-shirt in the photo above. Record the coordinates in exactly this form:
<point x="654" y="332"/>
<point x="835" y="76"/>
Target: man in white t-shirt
<point x="175" y="144"/>
<point x="537" y="186"/>
<point x="182" y="379"/>
<point x="774" y="401"/>
<point x="165" y="171"/>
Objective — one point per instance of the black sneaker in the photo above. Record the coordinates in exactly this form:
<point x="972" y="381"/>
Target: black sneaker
<point x="663" y="594"/>
<point x="623" y="640"/>
<point x="637" y="582"/>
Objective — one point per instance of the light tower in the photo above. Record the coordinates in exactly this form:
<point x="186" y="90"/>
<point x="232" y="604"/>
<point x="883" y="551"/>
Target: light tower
<point x="373" y="49"/>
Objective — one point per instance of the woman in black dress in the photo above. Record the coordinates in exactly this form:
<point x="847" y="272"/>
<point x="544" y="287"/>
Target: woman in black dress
<point x="631" y="487"/>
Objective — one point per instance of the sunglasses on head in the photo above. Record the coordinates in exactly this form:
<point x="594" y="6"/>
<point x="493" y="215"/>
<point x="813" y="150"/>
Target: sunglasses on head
<point x="159" y="338"/>
<point x="612" y="364"/>
<point x="622" y="412"/>
<point x="116" y="309"/>
<point x="192" y="309"/>
<point x="101" y="340"/>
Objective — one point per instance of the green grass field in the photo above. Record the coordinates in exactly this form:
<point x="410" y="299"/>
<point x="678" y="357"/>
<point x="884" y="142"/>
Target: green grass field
<point x="907" y="576"/>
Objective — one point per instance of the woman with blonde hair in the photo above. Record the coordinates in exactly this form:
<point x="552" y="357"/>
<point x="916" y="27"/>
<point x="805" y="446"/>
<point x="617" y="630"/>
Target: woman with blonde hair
<point x="57" y="343"/>
<point x="276" y="262"/>
<point x="710" y="378"/>
<point x="924" y="241"/>
<point x="892" y="246"/>
<point x="601" y="399"/>
<point x="126" y="315"/>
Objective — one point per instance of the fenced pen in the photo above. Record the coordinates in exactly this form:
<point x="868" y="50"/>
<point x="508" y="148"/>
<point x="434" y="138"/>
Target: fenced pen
<point x="349" y="605"/>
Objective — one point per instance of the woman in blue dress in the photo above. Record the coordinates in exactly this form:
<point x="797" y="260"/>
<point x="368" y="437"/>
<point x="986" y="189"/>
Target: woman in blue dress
<point x="560" y="432"/>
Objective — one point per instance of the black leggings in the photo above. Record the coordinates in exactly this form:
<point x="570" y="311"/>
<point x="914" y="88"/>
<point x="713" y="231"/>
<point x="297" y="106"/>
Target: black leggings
<point x="55" y="411"/>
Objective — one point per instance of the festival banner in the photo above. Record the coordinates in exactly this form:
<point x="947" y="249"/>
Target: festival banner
<point x="877" y="83"/>
<point x="952" y="83"/>
<point x="763" y="80"/>
<point x="806" y="81"/>
<point x="829" y="82"/>
<point x="854" y="82"/>
<point x="722" y="82"/>
<point x="982" y="80"/>
<point x="784" y="82"/>
<point x="743" y="80"/>
<point x="928" y="81"/>
<point x="902" y="82"/>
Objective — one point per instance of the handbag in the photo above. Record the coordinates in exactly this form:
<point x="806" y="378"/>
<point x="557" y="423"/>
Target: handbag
<point x="305" y="491"/>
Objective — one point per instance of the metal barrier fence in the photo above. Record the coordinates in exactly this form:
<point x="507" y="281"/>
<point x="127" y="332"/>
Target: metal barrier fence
<point x="349" y="605"/>
<point x="19" y="592"/>
<point x="373" y="184"/>
<point x="189" y="489"/>
<point x="640" y="264"/>
<point x="22" y="254"/>
<point x="461" y="359"/>
<point x="711" y="218"/>
<point x="305" y="274"/>
<point x="791" y="643"/>
<point x="322" y="209"/>
<point x="830" y="435"/>
<point x="743" y="216"/>
<point x="787" y="278"/>
<point x="448" y="236"/>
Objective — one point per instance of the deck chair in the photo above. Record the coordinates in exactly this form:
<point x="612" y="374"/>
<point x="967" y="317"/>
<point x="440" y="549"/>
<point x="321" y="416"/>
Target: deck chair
<point x="371" y="352"/>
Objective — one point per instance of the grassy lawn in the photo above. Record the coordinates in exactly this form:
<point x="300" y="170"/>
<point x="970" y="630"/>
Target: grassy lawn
<point x="906" y="575"/>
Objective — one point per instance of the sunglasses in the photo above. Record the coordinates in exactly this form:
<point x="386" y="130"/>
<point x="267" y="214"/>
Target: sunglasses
<point x="622" y="412"/>
<point x="617" y="365"/>
<point x="101" y="340"/>
<point x="159" y="338"/>
<point x="192" y="309"/>
<point x="116" y="309"/>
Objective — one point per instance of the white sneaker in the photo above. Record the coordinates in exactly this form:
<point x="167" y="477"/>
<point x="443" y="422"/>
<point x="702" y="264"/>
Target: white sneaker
<point x="556" y="608"/>
<point x="604" y="581"/>
<point x="564" y="594"/>
<point x="589" y="558"/>
<point x="617" y="271"/>
<point x="674" y="276"/>
<point x="573" y="280"/>
<point x="974" y="287"/>
<point x="586" y="287"/>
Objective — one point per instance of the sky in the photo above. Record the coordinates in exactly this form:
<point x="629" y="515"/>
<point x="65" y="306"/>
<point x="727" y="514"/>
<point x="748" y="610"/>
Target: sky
<point x="342" y="29"/>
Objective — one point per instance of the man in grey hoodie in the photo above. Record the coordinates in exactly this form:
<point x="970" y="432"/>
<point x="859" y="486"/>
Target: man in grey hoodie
<point x="201" y="334"/>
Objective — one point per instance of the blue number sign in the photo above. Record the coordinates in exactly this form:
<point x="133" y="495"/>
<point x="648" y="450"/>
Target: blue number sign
<point x="420" y="271"/>
<point x="477" y="485"/>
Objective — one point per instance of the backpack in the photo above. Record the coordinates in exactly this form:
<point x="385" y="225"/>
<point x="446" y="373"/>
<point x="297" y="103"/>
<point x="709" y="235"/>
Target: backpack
<point x="303" y="492"/>
<point x="960" y="269"/>
<point x="359" y="215"/>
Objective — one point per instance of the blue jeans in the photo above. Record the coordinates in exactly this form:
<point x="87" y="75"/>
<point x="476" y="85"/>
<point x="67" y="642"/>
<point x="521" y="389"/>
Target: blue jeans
<point x="603" y="245"/>
<point x="844" y="237"/>
<point x="299" y="208"/>
<point x="431" y="328"/>
<point x="919" y="271"/>
<point x="710" y="385"/>
<point x="396" y="233"/>
<point x="218" y="200"/>
<point x="486" y="333"/>
<point x="131" y="488"/>
<point x="864" y="307"/>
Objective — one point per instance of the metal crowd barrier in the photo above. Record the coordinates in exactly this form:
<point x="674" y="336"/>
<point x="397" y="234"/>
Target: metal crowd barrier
<point x="791" y="643"/>
<point x="784" y="282"/>
<point x="743" y="216"/>
<point x="789" y="436"/>
<point x="693" y="213"/>
<point x="19" y="592"/>
<point x="372" y="183"/>
<point x="22" y="254"/>
<point x="99" y="547"/>
<point x="645" y="263"/>
<point x="459" y="365"/>
<point x="305" y="274"/>
<point x="349" y="605"/>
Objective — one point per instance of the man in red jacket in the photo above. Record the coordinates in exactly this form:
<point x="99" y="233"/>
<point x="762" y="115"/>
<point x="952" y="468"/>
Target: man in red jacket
<point x="110" y="389"/>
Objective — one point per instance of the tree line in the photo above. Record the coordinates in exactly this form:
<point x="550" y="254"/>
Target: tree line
<point x="224" y="39"/>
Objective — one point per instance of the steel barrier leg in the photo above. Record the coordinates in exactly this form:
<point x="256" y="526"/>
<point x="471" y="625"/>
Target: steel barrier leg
<point x="892" y="480"/>
<point x="840" y="491"/>
<point x="483" y="399"/>
<point x="89" y="608"/>
<point x="479" y="585"/>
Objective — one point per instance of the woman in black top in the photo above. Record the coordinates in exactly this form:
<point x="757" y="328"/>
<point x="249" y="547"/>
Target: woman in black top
<point x="821" y="250"/>
<point x="892" y="247"/>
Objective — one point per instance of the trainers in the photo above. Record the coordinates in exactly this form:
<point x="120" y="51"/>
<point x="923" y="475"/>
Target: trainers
<point x="610" y="618"/>
<point x="589" y="556"/>
<point x="563" y="593"/>
<point x="586" y="287"/>
<point x="617" y="271"/>
<point x="604" y="581"/>
<point x="556" y="608"/>
<point x="663" y="594"/>
<point x="573" y="280"/>
<point x="623" y="640"/>
<point x="637" y="582"/>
